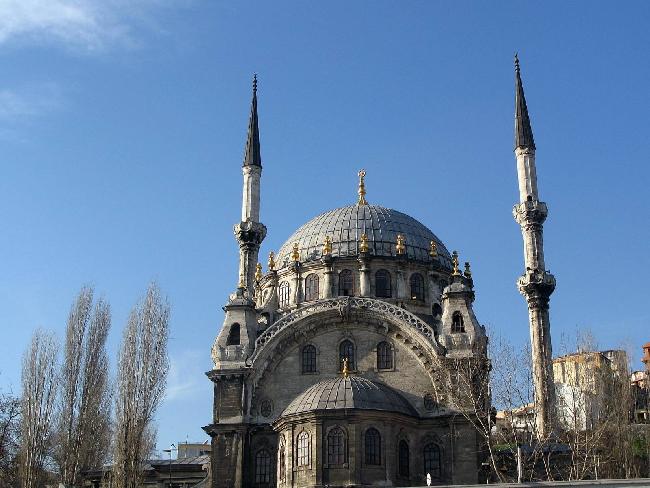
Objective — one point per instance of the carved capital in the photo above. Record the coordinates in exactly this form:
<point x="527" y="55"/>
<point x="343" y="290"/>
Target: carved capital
<point x="249" y="234"/>
<point x="530" y="214"/>
<point x="536" y="286"/>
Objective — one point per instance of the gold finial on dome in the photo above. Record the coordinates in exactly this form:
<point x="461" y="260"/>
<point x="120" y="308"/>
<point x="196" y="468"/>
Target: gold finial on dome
<point x="400" y="247"/>
<point x="362" y="188"/>
<point x="295" y="254"/>
<point x="433" y="249"/>
<point x="363" y="243"/>
<point x="271" y="262"/>
<point x="258" y="272"/>
<point x="327" y="247"/>
<point x="468" y="272"/>
<point x="345" y="370"/>
<point x="454" y="262"/>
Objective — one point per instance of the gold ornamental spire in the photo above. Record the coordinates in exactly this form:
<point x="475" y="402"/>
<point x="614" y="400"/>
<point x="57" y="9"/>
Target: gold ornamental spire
<point x="433" y="249"/>
<point x="400" y="247"/>
<point x="295" y="254"/>
<point x="363" y="243"/>
<point x="258" y="272"/>
<point x="362" y="188"/>
<point x="327" y="247"/>
<point x="271" y="263"/>
<point x="454" y="262"/>
<point x="345" y="370"/>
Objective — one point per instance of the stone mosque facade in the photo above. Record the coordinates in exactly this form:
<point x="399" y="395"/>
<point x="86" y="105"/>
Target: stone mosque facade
<point x="339" y="365"/>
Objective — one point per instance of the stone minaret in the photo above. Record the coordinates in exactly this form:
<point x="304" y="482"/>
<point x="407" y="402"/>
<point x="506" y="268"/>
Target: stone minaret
<point x="536" y="284"/>
<point x="250" y="232"/>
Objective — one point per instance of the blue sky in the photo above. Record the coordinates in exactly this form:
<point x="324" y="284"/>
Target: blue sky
<point x="122" y="128"/>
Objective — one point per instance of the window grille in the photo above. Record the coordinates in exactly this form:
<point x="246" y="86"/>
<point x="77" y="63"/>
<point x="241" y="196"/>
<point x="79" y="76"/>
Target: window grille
<point x="417" y="286"/>
<point x="336" y="446"/>
<point x="346" y="283"/>
<point x="284" y="294"/>
<point x="311" y="287"/>
<point x="403" y="464"/>
<point x="263" y="468"/>
<point x="382" y="284"/>
<point x="373" y="447"/>
<point x="432" y="461"/>
<point x="303" y="449"/>
<point x="309" y="359"/>
<point x="384" y="356"/>
<point x="346" y="350"/>
<point x="457" y="324"/>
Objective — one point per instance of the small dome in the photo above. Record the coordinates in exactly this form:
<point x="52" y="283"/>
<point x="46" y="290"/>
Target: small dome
<point x="352" y="392"/>
<point x="345" y="226"/>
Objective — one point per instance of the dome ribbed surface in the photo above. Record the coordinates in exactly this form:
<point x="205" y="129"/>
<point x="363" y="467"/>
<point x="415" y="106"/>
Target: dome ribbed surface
<point x="352" y="392"/>
<point x="345" y="226"/>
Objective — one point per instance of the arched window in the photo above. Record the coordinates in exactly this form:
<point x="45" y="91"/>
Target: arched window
<point x="382" y="284"/>
<point x="302" y="452"/>
<point x="373" y="447"/>
<point x="432" y="461"/>
<point x="457" y="324"/>
<point x="311" y="287"/>
<point x="309" y="359"/>
<point x="346" y="283"/>
<point x="284" y="294"/>
<point x="436" y="310"/>
<point x="346" y="350"/>
<point x="282" y="459"/>
<point x="336" y="446"/>
<point x="417" y="287"/>
<point x="384" y="356"/>
<point x="403" y="459"/>
<point x="263" y="468"/>
<point x="233" y="335"/>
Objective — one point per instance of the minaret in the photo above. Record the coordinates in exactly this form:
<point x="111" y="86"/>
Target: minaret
<point x="536" y="284"/>
<point x="250" y="232"/>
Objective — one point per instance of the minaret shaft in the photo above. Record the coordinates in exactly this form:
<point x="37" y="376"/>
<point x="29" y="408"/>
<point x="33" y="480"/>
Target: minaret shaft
<point x="536" y="284"/>
<point x="250" y="232"/>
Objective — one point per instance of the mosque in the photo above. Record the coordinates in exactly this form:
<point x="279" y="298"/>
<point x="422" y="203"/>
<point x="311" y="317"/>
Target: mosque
<point x="343" y="363"/>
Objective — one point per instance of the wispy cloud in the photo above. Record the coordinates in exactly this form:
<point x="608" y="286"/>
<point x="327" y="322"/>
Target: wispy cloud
<point x="185" y="374"/>
<point x="87" y="25"/>
<point x="29" y="101"/>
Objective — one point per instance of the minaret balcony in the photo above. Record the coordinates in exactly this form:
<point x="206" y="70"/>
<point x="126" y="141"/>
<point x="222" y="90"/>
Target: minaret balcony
<point x="530" y="212"/>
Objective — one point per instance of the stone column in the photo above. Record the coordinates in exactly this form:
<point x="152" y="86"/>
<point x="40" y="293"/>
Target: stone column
<point x="328" y="277"/>
<point x="364" y="275"/>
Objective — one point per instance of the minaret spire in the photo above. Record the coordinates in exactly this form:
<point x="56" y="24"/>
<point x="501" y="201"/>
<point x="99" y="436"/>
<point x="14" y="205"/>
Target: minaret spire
<point x="536" y="284"/>
<point x="250" y="232"/>
<point x="252" y="155"/>
<point x="523" y="130"/>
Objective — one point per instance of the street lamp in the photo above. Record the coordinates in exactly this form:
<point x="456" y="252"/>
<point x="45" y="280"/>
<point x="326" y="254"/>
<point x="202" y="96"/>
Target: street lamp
<point x="171" y="448"/>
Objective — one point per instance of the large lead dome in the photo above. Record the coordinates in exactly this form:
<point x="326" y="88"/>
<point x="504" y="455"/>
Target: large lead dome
<point x="345" y="226"/>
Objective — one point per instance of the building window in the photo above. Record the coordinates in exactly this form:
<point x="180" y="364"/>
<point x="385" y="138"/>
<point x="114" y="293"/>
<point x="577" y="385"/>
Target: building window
<point x="233" y="335"/>
<point x="284" y="294"/>
<point x="302" y="453"/>
<point x="346" y="351"/>
<point x="309" y="359"/>
<point x="432" y="461"/>
<point x="282" y="459"/>
<point x="457" y="324"/>
<point x="311" y="287"/>
<point x="384" y="356"/>
<point x="373" y="447"/>
<point x="336" y="446"/>
<point x="263" y="468"/>
<point x="382" y="284"/>
<point x="346" y="283"/>
<point x="417" y="287"/>
<point x="403" y="459"/>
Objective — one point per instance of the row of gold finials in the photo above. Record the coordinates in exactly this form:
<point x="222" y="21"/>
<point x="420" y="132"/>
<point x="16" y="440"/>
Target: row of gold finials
<point x="400" y="248"/>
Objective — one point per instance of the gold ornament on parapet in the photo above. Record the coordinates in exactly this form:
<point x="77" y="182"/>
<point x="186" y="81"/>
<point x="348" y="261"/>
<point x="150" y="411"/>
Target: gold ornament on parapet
<point x="295" y="254"/>
<point x="433" y="249"/>
<point x="454" y="262"/>
<point x="400" y="247"/>
<point x="363" y="243"/>
<point x="327" y="247"/>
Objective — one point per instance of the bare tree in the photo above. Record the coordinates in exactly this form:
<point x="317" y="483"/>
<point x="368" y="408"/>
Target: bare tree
<point x="9" y="437"/>
<point x="141" y="380"/>
<point x="84" y="410"/>
<point x="39" y="383"/>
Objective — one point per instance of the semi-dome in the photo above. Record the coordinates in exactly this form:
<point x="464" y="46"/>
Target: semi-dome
<point x="345" y="226"/>
<point x="348" y="393"/>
